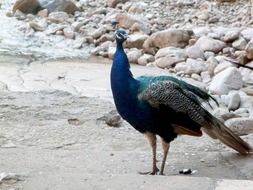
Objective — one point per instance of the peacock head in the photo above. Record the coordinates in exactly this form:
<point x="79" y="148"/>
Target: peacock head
<point x="121" y="35"/>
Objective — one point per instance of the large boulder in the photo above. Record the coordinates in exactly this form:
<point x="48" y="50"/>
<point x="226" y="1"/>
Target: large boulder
<point x="225" y="81"/>
<point x="170" y="37"/>
<point x="26" y="6"/>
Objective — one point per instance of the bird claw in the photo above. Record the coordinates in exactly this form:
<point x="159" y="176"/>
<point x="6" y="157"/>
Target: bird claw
<point x="154" y="172"/>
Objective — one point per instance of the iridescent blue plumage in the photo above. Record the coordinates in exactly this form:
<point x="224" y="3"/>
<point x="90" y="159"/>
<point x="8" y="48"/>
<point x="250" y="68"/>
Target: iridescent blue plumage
<point x="164" y="106"/>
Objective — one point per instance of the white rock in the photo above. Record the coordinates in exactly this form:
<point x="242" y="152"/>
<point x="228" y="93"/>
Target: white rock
<point x="169" y="56"/>
<point x="196" y="77"/>
<point x="191" y="66"/>
<point x="194" y="52"/>
<point x="133" y="55"/>
<point x="225" y="81"/>
<point x="222" y="66"/>
<point x="38" y="25"/>
<point x="242" y="126"/>
<point x="231" y="36"/>
<point x="240" y="43"/>
<point x="247" y="102"/>
<point x="209" y="54"/>
<point x="69" y="33"/>
<point x="206" y="78"/>
<point x="58" y="17"/>
<point x="136" y="40"/>
<point x="208" y="44"/>
<point x="102" y="48"/>
<point x="249" y="49"/>
<point x="223" y="114"/>
<point x="98" y="32"/>
<point x="145" y="59"/>
<point x="170" y="52"/>
<point x="247" y="33"/>
<point x="233" y="101"/>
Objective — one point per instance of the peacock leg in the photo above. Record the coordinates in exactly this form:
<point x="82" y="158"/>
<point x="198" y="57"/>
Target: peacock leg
<point x="166" y="147"/>
<point x="152" y="141"/>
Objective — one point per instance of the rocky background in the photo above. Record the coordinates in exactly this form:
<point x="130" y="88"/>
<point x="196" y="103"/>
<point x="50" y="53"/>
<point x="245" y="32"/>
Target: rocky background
<point x="197" y="39"/>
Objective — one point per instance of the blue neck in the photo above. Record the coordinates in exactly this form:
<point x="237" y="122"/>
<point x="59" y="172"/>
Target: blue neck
<point x="124" y="86"/>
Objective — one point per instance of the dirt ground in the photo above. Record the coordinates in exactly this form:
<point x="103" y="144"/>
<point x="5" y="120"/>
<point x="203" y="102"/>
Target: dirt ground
<point x="51" y="136"/>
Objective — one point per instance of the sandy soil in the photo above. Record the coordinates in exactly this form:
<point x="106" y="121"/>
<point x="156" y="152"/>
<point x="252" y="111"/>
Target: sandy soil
<point x="53" y="139"/>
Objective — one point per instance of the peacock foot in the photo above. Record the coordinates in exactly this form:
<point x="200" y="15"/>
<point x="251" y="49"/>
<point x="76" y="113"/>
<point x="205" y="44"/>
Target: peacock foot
<point x="153" y="172"/>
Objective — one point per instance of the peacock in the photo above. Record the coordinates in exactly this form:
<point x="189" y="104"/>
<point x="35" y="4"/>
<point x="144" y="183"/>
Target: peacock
<point x="164" y="106"/>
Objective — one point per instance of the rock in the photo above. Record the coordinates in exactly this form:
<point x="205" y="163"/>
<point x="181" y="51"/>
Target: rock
<point x="102" y="48"/>
<point x="225" y="81"/>
<point x="191" y="66"/>
<point x="241" y="126"/>
<point x="240" y="43"/>
<point x="10" y="177"/>
<point x="106" y="37"/>
<point x="58" y="17"/>
<point x="247" y="33"/>
<point x="169" y="56"/>
<point x="249" y="49"/>
<point x="246" y="102"/>
<point x="99" y="32"/>
<point x="170" y="52"/>
<point x="136" y="40"/>
<point x="53" y="28"/>
<point x="233" y="101"/>
<point x="211" y="65"/>
<point x="170" y="37"/>
<point x="43" y="13"/>
<point x="208" y="44"/>
<point x="112" y="119"/>
<point x="78" y="43"/>
<point x="222" y="66"/>
<point x="26" y="6"/>
<point x="69" y="33"/>
<point x="231" y="36"/>
<point x="203" y="15"/>
<point x="127" y="21"/>
<point x="223" y="114"/>
<point x="145" y="59"/>
<point x="38" y="25"/>
<point x="206" y="78"/>
<point x="196" y="77"/>
<point x="248" y="90"/>
<point x="194" y="52"/>
<point x="133" y="55"/>
<point x="59" y="6"/>
<point x="209" y="54"/>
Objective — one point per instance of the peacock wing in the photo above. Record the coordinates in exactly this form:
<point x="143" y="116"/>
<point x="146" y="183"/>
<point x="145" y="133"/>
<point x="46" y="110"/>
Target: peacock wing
<point x="188" y="116"/>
